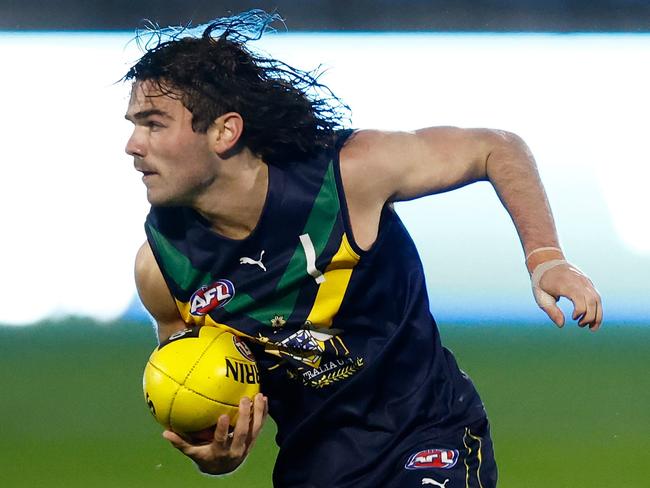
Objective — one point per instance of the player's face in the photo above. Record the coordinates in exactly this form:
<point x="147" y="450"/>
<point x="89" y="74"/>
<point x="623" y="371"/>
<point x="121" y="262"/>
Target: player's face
<point x="177" y="163"/>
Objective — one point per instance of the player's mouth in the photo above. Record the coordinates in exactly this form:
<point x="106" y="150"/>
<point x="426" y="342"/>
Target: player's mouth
<point x="147" y="176"/>
<point x="140" y="167"/>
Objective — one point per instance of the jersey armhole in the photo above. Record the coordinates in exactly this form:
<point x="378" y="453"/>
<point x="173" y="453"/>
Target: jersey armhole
<point x="342" y="138"/>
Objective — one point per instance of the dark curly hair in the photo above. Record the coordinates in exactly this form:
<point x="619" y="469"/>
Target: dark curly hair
<point x="287" y="113"/>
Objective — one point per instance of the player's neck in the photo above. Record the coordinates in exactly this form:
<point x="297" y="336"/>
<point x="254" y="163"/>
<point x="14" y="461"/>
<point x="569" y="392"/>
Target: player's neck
<point x="234" y="202"/>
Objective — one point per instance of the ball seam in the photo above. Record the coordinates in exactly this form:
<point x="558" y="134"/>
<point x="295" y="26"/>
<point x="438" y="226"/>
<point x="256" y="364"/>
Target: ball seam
<point x="189" y="389"/>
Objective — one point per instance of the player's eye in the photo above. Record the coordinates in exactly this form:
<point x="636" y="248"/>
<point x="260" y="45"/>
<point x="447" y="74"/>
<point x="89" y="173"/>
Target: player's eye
<point x="154" y="125"/>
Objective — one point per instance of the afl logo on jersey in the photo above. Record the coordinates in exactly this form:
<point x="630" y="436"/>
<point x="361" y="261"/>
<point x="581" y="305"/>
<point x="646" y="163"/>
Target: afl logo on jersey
<point x="210" y="297"/>
<point x="433" y="458"/>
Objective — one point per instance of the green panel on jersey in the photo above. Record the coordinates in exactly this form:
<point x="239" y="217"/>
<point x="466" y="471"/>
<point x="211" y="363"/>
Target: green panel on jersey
<point x="319" y="226"/>
<point x="176" y="264"/>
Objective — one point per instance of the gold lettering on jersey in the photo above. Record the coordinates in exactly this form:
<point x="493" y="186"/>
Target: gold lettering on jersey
<point x="331" y="372"/>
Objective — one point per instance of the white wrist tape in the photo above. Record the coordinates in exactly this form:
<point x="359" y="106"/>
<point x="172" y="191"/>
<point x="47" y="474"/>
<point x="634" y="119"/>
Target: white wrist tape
<point x="540" y="249"/>
<point x="542" y="298"/>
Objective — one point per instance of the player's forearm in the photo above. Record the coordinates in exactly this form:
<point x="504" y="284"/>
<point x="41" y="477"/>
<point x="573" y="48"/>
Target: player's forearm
<point x="511" y="169"/>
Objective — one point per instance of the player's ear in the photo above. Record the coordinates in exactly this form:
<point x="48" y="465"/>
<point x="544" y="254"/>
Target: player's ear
<point x="225" y="132"/>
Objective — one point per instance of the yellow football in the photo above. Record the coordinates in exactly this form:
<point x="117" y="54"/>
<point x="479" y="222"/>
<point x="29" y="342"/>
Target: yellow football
<point x="197" y="375"/>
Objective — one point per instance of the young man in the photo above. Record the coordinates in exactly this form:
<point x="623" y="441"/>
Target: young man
<point x="257" y="194"/>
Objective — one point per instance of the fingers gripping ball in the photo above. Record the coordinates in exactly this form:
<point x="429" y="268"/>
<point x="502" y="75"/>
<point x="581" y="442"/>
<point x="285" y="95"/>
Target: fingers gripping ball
<point x="197" y="375"/>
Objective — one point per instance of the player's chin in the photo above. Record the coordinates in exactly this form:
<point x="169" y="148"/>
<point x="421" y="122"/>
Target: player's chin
<point x="158" y="198"/>
<point x="154" y="197"/>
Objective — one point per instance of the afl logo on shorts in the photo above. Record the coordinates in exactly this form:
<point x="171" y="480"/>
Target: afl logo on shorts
<point x="210" y="297"/>
<point x="433" y="458"/>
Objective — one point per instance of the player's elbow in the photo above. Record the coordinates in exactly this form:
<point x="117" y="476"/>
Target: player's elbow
<point x="506" y="138"/>
<point x="503" y="147"/>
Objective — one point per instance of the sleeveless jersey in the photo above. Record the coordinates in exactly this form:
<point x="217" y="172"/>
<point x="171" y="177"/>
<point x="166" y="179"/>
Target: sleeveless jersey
<point x="348" y="352"/>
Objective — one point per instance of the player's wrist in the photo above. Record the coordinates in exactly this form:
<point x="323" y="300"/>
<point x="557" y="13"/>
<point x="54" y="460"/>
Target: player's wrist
<point x="542" y="255"/>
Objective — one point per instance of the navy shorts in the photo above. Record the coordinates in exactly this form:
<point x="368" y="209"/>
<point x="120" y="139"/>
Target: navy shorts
<point x="464" y="459"/>
<point x="459" y="459"/>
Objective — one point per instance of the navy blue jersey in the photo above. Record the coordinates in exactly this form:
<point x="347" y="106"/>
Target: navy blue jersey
<point x="349" y="354"/>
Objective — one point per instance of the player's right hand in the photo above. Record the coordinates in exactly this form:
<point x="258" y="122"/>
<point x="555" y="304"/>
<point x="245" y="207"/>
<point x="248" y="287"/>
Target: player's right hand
<point x="227" y="450"/>
<point x="565" y="280"/>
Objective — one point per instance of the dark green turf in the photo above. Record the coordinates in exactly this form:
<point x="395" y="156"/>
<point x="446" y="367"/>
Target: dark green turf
<point x="568" y="408"/>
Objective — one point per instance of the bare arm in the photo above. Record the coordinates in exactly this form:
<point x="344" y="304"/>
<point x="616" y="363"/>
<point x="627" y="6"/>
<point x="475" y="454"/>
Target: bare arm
<point x="155" y="295"/>
<point x="379" y="167"/>
<point x="438" y="159"/>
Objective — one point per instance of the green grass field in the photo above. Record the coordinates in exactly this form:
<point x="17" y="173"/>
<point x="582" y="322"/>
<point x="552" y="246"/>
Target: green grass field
<point x="569" y="409"/>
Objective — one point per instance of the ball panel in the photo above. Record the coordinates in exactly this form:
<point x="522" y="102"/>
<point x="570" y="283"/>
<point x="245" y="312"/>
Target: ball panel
<point x="224" y="374"/>
<point x="211" y="332"/>
<point x="159" y="393"/>
<point x="192" y="412"/>
<point x="178" y="357"/>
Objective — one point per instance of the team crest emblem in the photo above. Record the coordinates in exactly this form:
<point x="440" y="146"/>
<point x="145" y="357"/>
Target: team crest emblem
<point x="433" y="458"/>
<point x="211" y="297"/>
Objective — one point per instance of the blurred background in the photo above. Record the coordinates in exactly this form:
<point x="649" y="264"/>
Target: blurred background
<point x="568" y="407"/>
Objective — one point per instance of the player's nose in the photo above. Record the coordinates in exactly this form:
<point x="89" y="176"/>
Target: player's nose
<point x="135" y="146"/>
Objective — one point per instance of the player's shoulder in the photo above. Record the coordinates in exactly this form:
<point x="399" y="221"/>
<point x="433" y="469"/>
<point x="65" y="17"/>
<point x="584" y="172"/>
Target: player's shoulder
<point x="154" y="293"/>
<point x="378" y="150"/>
<point x="364" y="143"/>
<point x="368" y="162"/>
<point x="147" y="272"/>
<point x="144" y="258"/>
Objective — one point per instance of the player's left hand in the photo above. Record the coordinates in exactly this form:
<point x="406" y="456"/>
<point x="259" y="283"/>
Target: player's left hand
<point x="565" y="280"/>
<point x="226" y="451"/>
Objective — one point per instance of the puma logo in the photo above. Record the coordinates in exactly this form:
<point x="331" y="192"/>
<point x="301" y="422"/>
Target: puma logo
<point x="245" y="260"/>
<point x="429" y="481"/>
